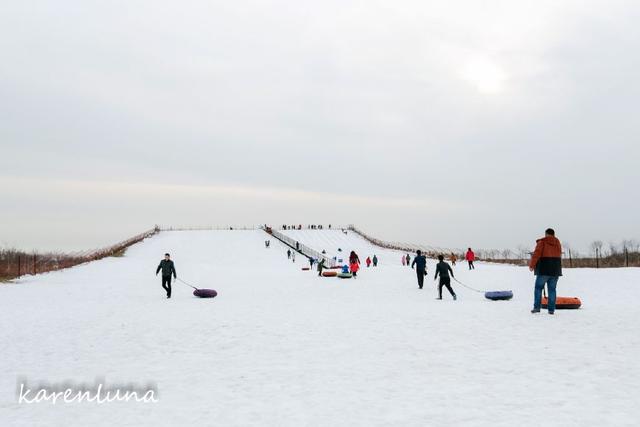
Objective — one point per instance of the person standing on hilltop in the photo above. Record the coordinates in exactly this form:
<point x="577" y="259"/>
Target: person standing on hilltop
<point x="443" y="269"/>
<point x="546" y="263"/>
<point x="420" y="262"/>
<point x="470" y="257"/>
<point x="368" y="262"/>
<point x="167" y="267"/>
<point x="375" y="260"/>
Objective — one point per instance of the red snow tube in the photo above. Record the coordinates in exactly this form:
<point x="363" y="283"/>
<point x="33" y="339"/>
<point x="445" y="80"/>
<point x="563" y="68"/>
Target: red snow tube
<point x="205" y="293"/>
<point x="329" y="273"/>
<point x="563" y="303"/>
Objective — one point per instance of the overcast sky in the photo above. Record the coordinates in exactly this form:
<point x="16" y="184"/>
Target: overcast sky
<point x="450" y="123"/>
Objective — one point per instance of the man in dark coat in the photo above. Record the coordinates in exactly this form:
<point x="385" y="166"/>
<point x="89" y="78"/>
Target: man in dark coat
<point x="167" y="267"/>
<point x="443" y="269"/>
<point x="546" y="263"/>
<point x="420" y="262"/>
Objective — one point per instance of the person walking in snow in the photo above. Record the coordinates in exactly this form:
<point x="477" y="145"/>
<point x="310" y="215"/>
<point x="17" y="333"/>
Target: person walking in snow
<point x="293" y="256"/>
<point x="375" y="261"/>
<point x="453" y="259"/>
<point x="404" y="260"/>
<point x="546" y="263"/>
<point x="470" y="257"/>
<point x="311" y="261"/>
<point x="288" y="253"/>
<point x="408" y="260"/>
<point x="368" y="261"/>
<point x="320" y="267"/>
<point x="354" y="263"/>
<point x="167" y="267"/>
<point x="420" y="262"/>
<point x="443" y="269"/>
<point x="354" y="267"/>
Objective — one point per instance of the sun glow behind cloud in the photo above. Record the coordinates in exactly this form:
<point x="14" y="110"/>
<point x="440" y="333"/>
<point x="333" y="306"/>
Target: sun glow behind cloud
<point x="485" y="75"/>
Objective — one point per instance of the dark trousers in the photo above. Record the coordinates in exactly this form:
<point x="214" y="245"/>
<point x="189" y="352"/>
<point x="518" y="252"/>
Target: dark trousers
<point x="421" y="274"/>
<point x="471" y="266"/>
<point x="445" y="281"/>
<point x="166" y="284"/>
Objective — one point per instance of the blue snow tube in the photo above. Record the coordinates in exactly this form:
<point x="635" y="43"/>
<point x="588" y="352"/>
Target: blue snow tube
<point x="498" y="295"/>
<point x="205" y="293"/>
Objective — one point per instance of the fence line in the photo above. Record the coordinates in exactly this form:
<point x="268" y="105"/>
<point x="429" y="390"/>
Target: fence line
<point x="211" y="228"/>
<point x="14" y="264"/>
<point x="430" y="251"/>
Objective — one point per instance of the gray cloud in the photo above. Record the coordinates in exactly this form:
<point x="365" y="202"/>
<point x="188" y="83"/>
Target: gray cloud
<point x="495" y="119"/>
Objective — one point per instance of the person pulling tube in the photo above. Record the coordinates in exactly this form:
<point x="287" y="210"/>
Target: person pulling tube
<point x="443" y="269"/>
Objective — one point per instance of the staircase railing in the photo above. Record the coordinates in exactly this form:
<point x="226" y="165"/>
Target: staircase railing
<point x="299" y="247"/>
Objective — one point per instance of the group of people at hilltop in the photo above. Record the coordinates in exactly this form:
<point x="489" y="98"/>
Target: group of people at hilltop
<point x="299" y="227"/>
<point x="546" y="264"/>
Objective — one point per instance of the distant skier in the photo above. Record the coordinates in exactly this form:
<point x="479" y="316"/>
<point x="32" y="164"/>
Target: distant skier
<point x="267" y="243"/>
<point x="320" y="267"/>
<point x="375" y="261"/>
<point x="288" y="253"/>
<point x="470" y="257"/>
<point x="420" y="262"/>
<point x="453" y="259"/>
<point x="311" y="261"/>
<point x="546" y="263"/>
<point x="408" y="260"/>
<point x="404" y="260"/>
<point x="368" y="262"/>
<point x="167" y="267"/>
<point x="443" y="269"/>
<point x="293" y="256"/>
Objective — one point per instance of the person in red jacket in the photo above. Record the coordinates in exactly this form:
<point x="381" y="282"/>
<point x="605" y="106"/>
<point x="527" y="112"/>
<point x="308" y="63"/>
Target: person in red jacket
<point x="354" y="263"/>
<point x="546" y="263"/>
<point x="470" y="257"/>
<point x="368" y="261"/>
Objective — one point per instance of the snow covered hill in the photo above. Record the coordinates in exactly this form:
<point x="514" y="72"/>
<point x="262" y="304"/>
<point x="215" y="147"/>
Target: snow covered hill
<point x="283" y="347"/>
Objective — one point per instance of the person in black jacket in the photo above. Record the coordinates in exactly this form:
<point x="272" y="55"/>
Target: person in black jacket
<point x="167" y="267"/>
<point x="443" y="269"/>
<point x="420" y="261"/>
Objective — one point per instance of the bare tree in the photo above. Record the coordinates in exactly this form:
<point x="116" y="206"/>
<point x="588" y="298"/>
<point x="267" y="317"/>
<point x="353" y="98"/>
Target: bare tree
<point x="596" y="246"/>
<point x="523" y="252"/>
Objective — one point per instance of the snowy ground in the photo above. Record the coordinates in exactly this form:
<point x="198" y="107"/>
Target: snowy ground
<point x="282" y="347"/>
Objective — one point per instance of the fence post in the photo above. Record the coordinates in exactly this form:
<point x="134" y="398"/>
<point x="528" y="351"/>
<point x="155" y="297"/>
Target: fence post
<point x="34" y="264"/>
<point x="626" y="257"/>
<point x="19" y="265"/>
<point x="597" y="258"/>
<point x="570" y="260"/>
